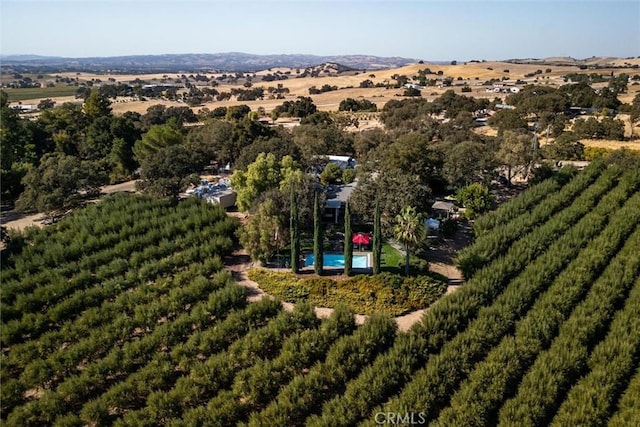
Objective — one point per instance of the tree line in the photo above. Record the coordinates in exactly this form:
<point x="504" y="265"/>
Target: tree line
<point x="417" y="154"/>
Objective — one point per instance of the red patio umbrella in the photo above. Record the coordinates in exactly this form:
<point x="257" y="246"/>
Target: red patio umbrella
<point x="361" y="239"/>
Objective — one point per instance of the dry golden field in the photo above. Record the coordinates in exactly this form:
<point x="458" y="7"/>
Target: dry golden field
<point x="472" y="74"/>
<point x="612" y="145"/>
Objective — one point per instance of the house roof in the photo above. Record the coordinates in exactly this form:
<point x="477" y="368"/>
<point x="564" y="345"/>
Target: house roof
<point x="337" y="195"/>
<point x="443" y="206"/>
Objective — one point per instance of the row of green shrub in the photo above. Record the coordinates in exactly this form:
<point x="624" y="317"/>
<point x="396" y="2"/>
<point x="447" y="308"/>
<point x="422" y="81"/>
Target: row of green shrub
<point x="444" y="370"/>
<point x="383" y="293"/>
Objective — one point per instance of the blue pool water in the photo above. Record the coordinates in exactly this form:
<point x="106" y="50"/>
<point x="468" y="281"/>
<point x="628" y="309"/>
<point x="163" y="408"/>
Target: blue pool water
<point x="337" y="260"/>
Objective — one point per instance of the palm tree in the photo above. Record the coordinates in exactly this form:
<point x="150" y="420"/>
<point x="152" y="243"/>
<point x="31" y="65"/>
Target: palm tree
<point x="409" y="230"/>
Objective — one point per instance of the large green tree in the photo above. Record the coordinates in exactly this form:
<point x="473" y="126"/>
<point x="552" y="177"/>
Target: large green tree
<point x="579" y="94"/>
<point x="302" y="107"/>
<point x="60" y="182"/>
<point x="17" y="152"/>
<point x="634" y="114"/>
<point x="411" y="154"/>
<point x="322" y="139"/>
<point x="515" y="151"/>
<point x="542" y="102"/>
<point x="63" y="129"/>
<point x="453" y="103"/>
<point x="367" y="141"/>
<point x="96" y="105"/>
<point x="264" y="174"/>
<point x="468" y="162"/>
<point x="167" y="172"/>
<point x="263" y="234"/>
<point x="508" y="120"/>
<point x="618" y="84"/>
<point x="281" y="145"/>
<point x="395" y="190"/>
<point x="475" y="198"/>
<point x="304" y="185"/>
<point x="351" y="104"/>
<point x="565" y="147"/>
<point x="410" y="115"/>
<point x="157" y="138"/>
<point x="215" y="137"/>
<point x="409" y="230"/>
<point x="98" y="139"/>
<point x="237" y="112"/>
<point x="607" y="127"/>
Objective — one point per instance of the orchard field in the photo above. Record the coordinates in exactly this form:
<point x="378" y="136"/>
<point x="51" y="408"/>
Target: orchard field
<point x="122" y="314"/>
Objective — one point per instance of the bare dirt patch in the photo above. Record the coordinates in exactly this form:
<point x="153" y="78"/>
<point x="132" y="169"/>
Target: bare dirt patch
<point x="442" y="252"/>
<point x="14" y="220"/>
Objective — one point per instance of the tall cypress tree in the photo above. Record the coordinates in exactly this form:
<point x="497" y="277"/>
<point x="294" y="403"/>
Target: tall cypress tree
<point x="377" y="239"/>
<point x="348" y="244"/>
<point x="318" y="236"/>
<point x="295" y="232"/>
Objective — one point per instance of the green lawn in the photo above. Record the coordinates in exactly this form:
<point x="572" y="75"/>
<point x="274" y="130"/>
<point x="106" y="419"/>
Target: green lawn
<point x="390" y="257"/>
<point x="39" y="92"/>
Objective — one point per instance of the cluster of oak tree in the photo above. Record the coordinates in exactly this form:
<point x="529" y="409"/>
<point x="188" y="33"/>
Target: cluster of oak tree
<point x="67" y="153"/>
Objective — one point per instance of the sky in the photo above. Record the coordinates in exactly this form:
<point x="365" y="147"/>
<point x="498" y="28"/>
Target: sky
<point x="427" y="30"/>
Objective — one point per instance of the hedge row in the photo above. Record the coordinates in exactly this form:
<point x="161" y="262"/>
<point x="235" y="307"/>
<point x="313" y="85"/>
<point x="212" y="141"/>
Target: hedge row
<point x="204" y="379"/>
<point x="345" y="359"/>
<point x="96" y="377"/>
<point x="556" y="369"/>
<point x="489" y="246"/>
<point x="254" y="387"/>
<point x="628" y="408"/>
<point x="591" y="400"/>
<point x="517" y="206"/>
<point x="458" y="356"/>
<point x="494" y="379"/>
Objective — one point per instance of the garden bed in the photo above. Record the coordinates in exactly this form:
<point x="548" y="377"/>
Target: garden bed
<point x="384" y="293"/>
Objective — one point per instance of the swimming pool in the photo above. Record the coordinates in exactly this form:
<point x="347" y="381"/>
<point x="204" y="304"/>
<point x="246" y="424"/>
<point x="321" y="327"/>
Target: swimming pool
<point x="337" y="260"/>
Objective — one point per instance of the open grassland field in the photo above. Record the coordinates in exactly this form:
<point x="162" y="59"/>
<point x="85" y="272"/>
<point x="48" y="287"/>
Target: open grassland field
<point x="471" y="74"/>
<point x="39" y="93"/>
<point x="123" y="315"/>
<point x="611" y="145"/>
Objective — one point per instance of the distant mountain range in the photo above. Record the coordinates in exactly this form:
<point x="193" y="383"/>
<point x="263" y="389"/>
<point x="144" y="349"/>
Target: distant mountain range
<point x="231" y="61"/>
